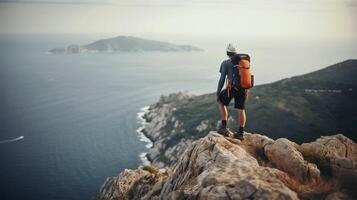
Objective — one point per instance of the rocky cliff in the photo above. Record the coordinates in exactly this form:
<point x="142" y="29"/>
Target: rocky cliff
<point x="191" y="162"/>
<point x="216" y="167"/>
<point x="162" y="128"/>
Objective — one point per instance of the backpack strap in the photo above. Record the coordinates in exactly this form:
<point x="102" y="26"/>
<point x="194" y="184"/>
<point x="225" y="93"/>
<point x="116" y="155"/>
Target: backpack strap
<point x="228" y="86"/>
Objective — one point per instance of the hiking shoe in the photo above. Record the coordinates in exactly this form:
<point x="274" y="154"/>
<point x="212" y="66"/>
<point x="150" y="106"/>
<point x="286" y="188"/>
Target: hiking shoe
<point x="239" y="136"/>
<point x="225" y="131"/>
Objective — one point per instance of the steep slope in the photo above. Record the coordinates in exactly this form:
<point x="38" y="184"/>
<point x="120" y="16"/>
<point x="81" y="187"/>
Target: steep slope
<point x="215" y="167"/>
<point x="300" y="108"/>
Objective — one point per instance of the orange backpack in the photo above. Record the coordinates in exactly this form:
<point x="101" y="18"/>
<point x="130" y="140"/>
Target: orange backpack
<point x="242" y="64"/>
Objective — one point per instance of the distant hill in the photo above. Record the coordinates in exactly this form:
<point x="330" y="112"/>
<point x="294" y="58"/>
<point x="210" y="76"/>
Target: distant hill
<point x="124" y="44"/>
<point x="300" y="108"/>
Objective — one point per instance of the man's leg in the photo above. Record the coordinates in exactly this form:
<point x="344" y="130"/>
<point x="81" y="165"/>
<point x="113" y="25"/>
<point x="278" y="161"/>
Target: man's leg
<point x="223" y="100"/>
<point x="242" y="118"/>
<point x="223" y="130"/>
<point x="223" y="111"/>
<point x="240" y="105"/>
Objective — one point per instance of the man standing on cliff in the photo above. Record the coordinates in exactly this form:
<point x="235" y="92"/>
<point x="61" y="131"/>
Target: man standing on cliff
<point x="225" y="96"/>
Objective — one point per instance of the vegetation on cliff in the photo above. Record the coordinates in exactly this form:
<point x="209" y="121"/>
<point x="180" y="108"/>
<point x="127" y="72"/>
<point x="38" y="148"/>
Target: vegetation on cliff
<point x="300" y="108"/>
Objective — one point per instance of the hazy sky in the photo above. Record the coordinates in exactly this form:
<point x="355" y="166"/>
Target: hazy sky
<point x="312" y="18"/>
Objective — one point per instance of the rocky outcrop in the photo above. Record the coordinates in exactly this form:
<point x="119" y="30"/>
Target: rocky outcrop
<point x="133" y="184"/>
<point x="283" y="155"/>
<point x="216" y="167"/>
<point x="337" y="154"/>
<point x="158" y="116"/>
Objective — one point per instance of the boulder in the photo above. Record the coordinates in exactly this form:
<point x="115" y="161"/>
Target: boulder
<point x="283" y="154"/>
<point x="336" y="154"/>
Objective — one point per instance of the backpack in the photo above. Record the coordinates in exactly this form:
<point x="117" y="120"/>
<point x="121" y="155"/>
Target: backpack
<point x="242" y="75"/>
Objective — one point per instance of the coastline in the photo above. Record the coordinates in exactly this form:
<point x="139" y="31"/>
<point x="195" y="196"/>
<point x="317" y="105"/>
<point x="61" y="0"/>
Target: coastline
<point x="154" y="119"/>
<point x="151" y="119"/>
<point x="141" y="135"/>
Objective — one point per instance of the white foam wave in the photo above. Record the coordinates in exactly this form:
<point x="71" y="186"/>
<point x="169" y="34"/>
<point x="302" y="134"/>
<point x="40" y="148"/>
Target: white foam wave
<point x="11" y="140"/>
<point x="144" y="159"/>
<point x="141" y="135"/>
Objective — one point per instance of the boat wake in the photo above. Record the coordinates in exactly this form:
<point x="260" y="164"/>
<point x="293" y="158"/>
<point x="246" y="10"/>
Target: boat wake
<point x="11" y="140"/>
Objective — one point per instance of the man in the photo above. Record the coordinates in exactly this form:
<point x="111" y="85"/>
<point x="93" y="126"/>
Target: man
<point x="228" y="75"/>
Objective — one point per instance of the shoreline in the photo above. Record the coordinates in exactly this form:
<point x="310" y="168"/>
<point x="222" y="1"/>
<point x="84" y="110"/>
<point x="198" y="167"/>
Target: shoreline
<point x="141" y="135"/>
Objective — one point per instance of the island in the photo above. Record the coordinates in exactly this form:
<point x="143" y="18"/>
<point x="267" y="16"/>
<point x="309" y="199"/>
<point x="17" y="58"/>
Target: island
<point x="125" y="44"/>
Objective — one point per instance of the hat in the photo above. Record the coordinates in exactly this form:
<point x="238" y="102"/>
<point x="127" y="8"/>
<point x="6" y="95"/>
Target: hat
<point x="231" y="48"/>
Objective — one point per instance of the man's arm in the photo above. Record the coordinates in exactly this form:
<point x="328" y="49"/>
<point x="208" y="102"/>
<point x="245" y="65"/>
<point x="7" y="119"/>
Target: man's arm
<point x="222" y="78"/>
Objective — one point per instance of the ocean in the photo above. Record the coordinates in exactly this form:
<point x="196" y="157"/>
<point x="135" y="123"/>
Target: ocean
<point x="69" y="121"/>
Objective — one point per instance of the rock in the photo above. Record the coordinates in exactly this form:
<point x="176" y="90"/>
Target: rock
<point x="254" y="144"/>
<point x="174" y="153"/>
<point x="133" y="184"/>
<point x="108" y="189"/>
<point x="338" y="196"/>
<point x="285" y="156"/>
<point x="337" y="154"/>
<point x="216" y="167"/>
<point x="202" y="126"/>
<point x="156" y="189"/>
<point x="158" y="116"/>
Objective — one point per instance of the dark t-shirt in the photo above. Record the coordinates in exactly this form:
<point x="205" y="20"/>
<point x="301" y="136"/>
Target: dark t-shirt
<point x="226" y="70"/>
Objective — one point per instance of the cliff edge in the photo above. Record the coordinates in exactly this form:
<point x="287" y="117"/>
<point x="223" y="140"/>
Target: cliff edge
<point x="217" y="167"/>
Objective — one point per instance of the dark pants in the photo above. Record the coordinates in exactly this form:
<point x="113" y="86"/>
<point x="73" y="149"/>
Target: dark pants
<point x="238" y="95"/>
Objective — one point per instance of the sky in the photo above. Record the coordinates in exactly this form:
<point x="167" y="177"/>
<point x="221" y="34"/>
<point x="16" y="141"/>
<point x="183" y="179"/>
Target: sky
<point x="304" y="18"/>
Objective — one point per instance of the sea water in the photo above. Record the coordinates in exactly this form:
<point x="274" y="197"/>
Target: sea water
<point x="69" y="121"/>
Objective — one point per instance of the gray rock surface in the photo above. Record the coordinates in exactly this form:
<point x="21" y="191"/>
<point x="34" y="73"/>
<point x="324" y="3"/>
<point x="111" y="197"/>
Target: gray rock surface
<point x="157" y="118"/>
<point x="217" y="167"/>
<point x="284" y="155"/>
<point x="336" y="153"/>
<point x="133" y="184"/>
